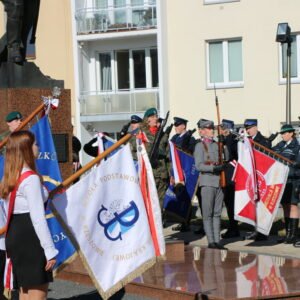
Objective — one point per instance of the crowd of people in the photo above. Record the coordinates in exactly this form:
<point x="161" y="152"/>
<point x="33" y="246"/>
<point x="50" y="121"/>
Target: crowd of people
<point x="22" y="186"/>
<point x="211" y="193"/>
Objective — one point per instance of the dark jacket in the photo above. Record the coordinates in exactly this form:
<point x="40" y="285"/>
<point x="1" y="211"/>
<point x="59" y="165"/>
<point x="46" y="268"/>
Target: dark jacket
<point x="91" y="150"/>
<point x="291" y="152"/>
<point x="230" y="142"/>
<point x="262" y="140"/>
<point x="185" y="142"/>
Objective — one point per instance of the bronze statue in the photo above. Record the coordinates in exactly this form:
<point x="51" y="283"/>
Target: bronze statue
<point x="22" y="17"/>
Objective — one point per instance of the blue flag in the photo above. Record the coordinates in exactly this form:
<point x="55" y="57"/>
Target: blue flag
<point x="177" y="201"/>
<point x="47" y="165"/>
<point x="1" y="166"/>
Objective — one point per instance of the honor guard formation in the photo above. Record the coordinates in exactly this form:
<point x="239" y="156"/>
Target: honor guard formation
<point x="183" y="165"/>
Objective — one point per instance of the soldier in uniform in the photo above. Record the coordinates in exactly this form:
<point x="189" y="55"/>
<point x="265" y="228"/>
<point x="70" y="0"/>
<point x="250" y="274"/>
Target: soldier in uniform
<point x="254" y="134"/>
<point x="159" y="167"/>
<point x="183" y="138"/>
<point x="13" y="120"/>
<point x="206" y="156"/>
<point x="289" y="148"/>
<point x="230" y="142"/>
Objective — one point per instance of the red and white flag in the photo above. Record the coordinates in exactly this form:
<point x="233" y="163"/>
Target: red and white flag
<point x="245" y="184"/>
<point x="176" y="164"/>
<point x="151" y="200"/>
<point x="256" y="171"/>
<point x="271" y="179"/>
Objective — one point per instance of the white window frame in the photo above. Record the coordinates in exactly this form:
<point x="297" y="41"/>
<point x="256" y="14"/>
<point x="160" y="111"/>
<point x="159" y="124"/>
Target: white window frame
<point x="282" y="80"/>
<point x="97" y="70"/>
<point x="218" y="1"/>
<point x="226" y="83"/>
<point x="114" y="69"/>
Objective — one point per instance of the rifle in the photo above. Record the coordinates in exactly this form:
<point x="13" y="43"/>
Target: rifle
<point x="154" y="153"/>
<point x="220" y="145"/>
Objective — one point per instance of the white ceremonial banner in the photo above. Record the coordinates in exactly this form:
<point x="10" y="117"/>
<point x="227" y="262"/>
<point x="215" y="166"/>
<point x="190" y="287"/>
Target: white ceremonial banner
<point x="105" y="214"/>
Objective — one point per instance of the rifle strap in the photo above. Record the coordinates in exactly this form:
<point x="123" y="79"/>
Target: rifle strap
<point x="206" y="150"/>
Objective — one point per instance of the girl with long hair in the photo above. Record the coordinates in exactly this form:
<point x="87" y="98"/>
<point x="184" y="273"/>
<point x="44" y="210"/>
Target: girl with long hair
<point x="28" y="241"/>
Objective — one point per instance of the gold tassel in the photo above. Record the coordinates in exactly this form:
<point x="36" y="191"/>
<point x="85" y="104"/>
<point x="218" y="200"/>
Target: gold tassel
<point x="7" y="293"/>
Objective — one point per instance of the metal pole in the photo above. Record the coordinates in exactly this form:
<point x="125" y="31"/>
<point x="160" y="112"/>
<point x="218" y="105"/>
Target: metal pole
<point x="288" y="84"/>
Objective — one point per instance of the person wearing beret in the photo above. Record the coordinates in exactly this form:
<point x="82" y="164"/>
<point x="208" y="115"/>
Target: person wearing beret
<point x="206" y="156"/>
<point x="159" y="167"/>
<point x="254" y="134"/>
<point x="289" y="147"/>
<point x="229" y="141"/>
<point x="13" y="120"/>
<point x="183" y="138"/>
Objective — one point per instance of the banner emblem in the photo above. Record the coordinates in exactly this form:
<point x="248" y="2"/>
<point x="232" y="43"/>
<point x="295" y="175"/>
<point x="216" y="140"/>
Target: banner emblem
<point x="126" y="219"/>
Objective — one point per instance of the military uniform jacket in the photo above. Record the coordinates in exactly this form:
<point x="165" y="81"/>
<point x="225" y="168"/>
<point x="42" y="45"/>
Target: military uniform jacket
<point x="206" y="156"/>
<point x="230" y="142"/>
<point x="186" y="142"/>
<point x="161" y="170"/>
<point x="260" y="139"/>
<point x="291" y="152"/>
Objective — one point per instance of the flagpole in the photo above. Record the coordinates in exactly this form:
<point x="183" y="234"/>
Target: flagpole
<point x="92" y="163"/>
<point x="24" y="123"/>
<point x="265" y="149"/>
<point x="271" y="152"/>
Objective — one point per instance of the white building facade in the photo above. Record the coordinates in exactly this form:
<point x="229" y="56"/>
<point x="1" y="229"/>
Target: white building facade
<point x="116" y="60"/>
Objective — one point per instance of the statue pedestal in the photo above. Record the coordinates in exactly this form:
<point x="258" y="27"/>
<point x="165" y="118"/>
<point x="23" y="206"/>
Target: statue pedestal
<point x="26" y="75"/>
<point x="26" y="100"/>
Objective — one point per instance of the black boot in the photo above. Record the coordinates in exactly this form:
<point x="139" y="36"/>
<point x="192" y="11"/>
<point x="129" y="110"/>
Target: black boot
<point x="294" y="230"/>
<point x="287" y="230"/>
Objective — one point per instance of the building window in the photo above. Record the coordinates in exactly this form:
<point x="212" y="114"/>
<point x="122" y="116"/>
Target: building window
<point x="128" y="69"/>
<point x="154" y="67"/>
<point x="105" y="72"/>
<point x="139" y="68"/>
<point x="224" y="61"/>
<point x="218" y="1"/>
<point x="122" y="60"/>
<point x="295" y="60"/>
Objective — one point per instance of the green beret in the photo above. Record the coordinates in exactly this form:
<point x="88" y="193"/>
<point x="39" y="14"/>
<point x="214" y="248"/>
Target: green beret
<point x="286" y="128"/>
<point x="150" y="112"/>
<point x="13" y="115"/>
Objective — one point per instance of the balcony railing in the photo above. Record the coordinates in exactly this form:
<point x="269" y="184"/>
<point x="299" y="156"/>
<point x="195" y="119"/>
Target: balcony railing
<point x="103" y="103"/>
<point x="93" y="20"/>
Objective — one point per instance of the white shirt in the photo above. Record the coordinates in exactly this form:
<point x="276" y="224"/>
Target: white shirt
<point x="3" y="214"/>
<point x="30" y="198"/>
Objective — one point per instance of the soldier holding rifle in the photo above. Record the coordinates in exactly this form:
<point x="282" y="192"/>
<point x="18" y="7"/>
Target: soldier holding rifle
<point x="206" y="156"/>
<point x="155" y="139"/>
<point x="230" y="142"/>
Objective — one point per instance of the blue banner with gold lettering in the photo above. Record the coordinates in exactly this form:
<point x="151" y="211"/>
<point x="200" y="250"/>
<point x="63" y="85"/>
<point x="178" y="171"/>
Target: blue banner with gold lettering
<point x="48" y="167"/>
<point x="177" y="201"/>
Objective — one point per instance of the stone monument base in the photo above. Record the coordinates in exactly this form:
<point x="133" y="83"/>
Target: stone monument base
<point x="27" y="75"/>
<point x="26" y="100"/>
